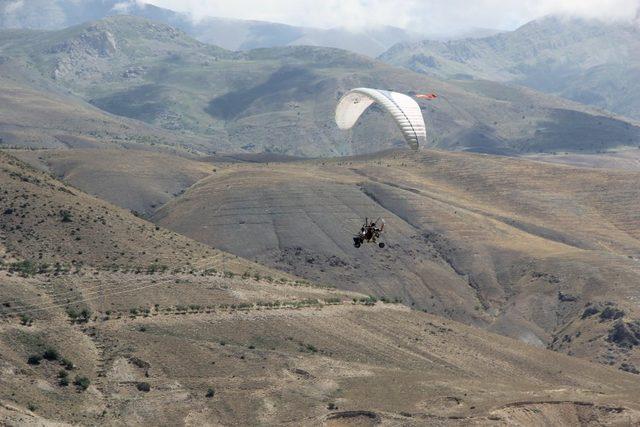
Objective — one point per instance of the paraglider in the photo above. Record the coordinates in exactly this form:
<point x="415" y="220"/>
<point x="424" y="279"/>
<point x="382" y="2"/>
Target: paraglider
<point x="369" y="232"/>
<point x="404" y="110"/>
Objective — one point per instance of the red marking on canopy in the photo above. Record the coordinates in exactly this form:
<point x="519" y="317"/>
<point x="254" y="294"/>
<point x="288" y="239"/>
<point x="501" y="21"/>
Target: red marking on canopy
<point x="427" y="96"/>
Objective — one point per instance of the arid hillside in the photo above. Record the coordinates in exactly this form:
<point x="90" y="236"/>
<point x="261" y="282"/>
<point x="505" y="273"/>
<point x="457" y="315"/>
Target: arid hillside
<point x="51" y="225"/>
<point x="548" y="254"/>
<point x="106" y="318"/>
<point x="134" y="179"/>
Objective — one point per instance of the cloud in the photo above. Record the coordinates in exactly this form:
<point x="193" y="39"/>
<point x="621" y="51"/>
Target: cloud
<point x="13" y="6"/>
<point x="127" y="5"/>
<point x="426" y="16"/>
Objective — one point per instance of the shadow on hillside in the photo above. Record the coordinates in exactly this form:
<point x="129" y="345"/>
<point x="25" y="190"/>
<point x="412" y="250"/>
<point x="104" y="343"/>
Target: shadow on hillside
<point x="286" y="84"/>
<point x="576" y="131"/>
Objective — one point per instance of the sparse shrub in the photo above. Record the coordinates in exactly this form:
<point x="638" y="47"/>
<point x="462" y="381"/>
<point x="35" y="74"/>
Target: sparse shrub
<point x="72" y="313"/>
<point x="51" y="354"/>
<point x="589" y="311"/>
<point x="24" y="268"/>
<point x="63" y="382"/>
<point x="82" y="383"/>
<point x="26" y="320"/>
<point x="85" y="315"/>
<point x="142" y="386"/>
<point x="32" y="407"/>
<point x="66" y="216"/>
<point x="611" y="313"/>
<point x="68" y="364"/>
<point x="34" y="359"/>
<point x="210" y="393"/>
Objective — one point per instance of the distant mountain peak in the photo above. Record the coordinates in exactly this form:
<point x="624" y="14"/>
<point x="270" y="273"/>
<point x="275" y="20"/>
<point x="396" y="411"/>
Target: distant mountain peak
<point x="232" y="34"/>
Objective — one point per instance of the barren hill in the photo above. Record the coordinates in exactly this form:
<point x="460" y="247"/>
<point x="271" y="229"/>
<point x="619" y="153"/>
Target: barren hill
<point x="106" y="318"/>
<point x="46" y="223"/>
<point x="138" y="180"/>
<point x="544" y="253"/>
<point x="247" y="351"/>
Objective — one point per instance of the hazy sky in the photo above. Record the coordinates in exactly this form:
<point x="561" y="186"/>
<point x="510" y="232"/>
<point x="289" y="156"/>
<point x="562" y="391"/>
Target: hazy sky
<point x="427" y="16"/>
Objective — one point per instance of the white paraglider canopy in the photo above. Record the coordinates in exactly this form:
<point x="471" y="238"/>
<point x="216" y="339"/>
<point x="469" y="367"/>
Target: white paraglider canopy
<point x="404" y="110"/>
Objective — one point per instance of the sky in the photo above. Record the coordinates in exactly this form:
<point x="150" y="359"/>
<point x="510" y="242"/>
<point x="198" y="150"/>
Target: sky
<point x="424" y="16"/>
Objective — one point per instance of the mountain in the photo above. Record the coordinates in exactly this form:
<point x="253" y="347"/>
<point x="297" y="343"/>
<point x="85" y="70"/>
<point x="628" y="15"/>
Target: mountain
<point x="233" y="34"/>
<point x="173" y="332"/>
<point x="38" y="114"/>
<point x="588" y="61"/>
<point x="282" y="100"/>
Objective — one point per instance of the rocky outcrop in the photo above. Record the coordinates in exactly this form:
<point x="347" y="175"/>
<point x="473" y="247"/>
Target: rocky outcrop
<point x="94" y="41"/>
<point x="625" y="334"/>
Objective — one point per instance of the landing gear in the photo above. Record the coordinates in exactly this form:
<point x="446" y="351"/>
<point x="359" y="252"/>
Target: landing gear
<point x="358" y="241"/>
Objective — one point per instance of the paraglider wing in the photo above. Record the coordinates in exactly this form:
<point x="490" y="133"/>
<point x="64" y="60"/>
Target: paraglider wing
<point x="404" y="110"/>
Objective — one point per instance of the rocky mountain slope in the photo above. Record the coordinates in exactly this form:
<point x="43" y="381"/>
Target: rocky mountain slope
<point x="591" y="62"/>
<point x="233" y="34"/>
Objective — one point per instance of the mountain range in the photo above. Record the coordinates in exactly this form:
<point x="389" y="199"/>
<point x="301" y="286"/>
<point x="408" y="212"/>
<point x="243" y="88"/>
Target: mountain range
<point x="232" y="34"/>
<point x="589" y="61"/>
<point x="279" y="100"/>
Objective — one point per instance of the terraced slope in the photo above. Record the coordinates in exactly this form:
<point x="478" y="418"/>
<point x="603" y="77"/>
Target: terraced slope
<point x="118" y="321"/>
<point x="546" y="254"/>
<point x="304" y="359"/>
<point x="137" y="180"/>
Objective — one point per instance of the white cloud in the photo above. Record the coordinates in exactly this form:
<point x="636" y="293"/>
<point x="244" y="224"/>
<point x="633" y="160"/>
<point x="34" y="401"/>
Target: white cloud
<point x="13" y="6"/>
<point x="427" y="16"/>
<point x="126" y="5"/>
